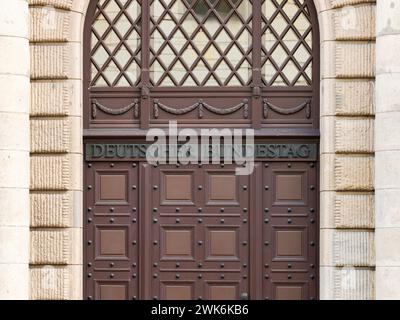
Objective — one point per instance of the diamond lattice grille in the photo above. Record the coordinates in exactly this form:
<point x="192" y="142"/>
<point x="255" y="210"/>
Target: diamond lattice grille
<point x="286" y="43"/>
<point x="201" y="42"/>
<point x="116" y="45"/>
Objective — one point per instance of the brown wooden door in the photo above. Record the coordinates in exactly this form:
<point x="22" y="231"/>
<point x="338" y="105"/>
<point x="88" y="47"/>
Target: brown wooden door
<point x="192" y="232"/>
<point x="290" y="232"/>
<point x="201" y="232"/>
<point x="111" y="231"/>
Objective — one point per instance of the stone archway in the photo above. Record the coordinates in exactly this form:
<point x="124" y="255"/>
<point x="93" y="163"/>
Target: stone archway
<point x="347" y="86"/>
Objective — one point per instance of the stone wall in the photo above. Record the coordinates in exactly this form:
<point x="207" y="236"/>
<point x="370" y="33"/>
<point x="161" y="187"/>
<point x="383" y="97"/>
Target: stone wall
<point x="347" y="252"/>
<point x="14" y="149"/>
<point x="56" y="149"/>
<point x="388" y="150"/>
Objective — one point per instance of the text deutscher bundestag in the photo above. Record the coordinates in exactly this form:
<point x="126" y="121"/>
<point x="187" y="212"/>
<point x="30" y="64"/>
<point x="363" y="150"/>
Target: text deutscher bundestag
<point x="271" y="151"/>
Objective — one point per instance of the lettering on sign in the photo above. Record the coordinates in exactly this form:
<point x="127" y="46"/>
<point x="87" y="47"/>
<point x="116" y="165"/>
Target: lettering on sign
<point x="260" y="151"/>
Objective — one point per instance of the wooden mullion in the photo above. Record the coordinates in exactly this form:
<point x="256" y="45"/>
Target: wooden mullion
<point x="256" y="101"/>
<point x="145" y="70"/>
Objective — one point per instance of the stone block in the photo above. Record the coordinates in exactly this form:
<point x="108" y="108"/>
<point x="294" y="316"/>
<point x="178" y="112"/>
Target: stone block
<point x="327" y="175"/>
<point x="14" y="54"/>
<point x="354" y="211"/>
<point x="49" y="135"/>
<point x="48" y="24"/>
<point x="322" y="5"/>
<point x="354" y="135"/>
<point x="14" y="92"/>
<point x="355" y="60"/>
<point x="327" y="125"/>
<point x="49" y="61"/>
<point x="328" y="97"/>
<point x="13" y="18"/>
<point x="328" y="55"/>
<point x="326" y="19"/>
<point x="355" y="98"/>
<point x="354" y="173"/>
<point x="13" y="173"/>
<point x="387" y="134"/>
<point x="354" y="284"/>
<point x="387" y="169"/>
<point x="387" y="54"/>
<point x="387" y="208"/>
<point x="50" y="99"/>
<point x="342" y="3"/>
<point x="387" y="92"/>
<point x="14" y="279"/>
<point x="387" y="247"/>
<point x="388" y="21"/>
<point x="75" y="283"/>
<point x="355" y="22"/>
<point x="62" y="4"/>
<point x="49" y="283"/>
<point x="326" y="247"/>
<point x="387" y="279"/>
<point x="50" y="209"/>
<point x="354" y="248"/>
<point x="14" y="248"/>
<point x="50" y="172"/>
<point x="16" y="201"/>
<point x="14" y="131"/>
<point x="75" y="143"/>
<point x="49" y="247"/>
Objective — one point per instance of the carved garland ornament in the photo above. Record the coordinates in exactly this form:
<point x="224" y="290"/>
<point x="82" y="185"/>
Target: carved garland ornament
<point x="96" y="105"/>
<point x="287" y="111"/>
<point x="201" y="105"/>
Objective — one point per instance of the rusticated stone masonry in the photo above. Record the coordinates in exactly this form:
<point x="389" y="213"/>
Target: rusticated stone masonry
<point x="55" y="123"/>
<point x="347" y="147"/>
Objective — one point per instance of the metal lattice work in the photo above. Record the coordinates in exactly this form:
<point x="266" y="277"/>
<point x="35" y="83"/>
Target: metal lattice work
<point x="201" y="43"/>
<point x="286" y="43"/>
<point x="116" y="44"/>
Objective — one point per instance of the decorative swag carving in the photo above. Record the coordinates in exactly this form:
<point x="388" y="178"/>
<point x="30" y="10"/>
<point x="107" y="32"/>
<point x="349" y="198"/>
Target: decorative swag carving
<point x="96" y="105"/>
<point x="287" y="111"/>
<point x="201" y="105"/>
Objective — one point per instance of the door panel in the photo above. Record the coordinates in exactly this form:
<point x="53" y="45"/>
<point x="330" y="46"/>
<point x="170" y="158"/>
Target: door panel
<point x="200" y="242"/>
<point x="290" y="230"/>
<point x="111" y="231"/>
<point x="196" y="242"/>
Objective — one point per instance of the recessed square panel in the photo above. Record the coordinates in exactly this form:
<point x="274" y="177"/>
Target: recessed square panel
<point x="178" y="187"/>
<point x="113" y="187"/>
<point x="222" y="242"/>
<point x="289" y="243"/>
<point x="178" y="291"/>
<point x="289" y="292"/>
<point x="222" y="291"/>
<point x="112" y="242"/>
<point x="289" y="187"/>
<point x="222" y="187"/>
<point x="177" y="242"/>
<point x="112" y="291"/>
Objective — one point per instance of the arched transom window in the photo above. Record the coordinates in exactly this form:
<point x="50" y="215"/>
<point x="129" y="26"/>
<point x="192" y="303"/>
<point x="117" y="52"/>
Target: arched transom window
<point x="201" y="43"/>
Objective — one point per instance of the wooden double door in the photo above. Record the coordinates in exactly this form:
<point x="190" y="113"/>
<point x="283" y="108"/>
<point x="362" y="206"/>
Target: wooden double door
<point x="200" y="231"/>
